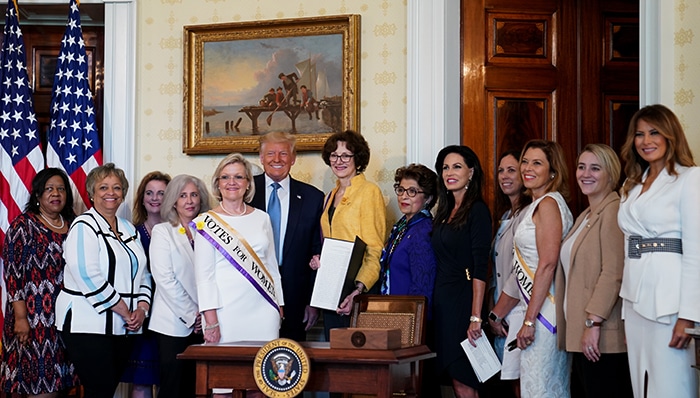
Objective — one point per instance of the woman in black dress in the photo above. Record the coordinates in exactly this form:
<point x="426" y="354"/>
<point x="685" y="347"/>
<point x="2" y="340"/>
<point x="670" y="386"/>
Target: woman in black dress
<point x="461" y="241"/>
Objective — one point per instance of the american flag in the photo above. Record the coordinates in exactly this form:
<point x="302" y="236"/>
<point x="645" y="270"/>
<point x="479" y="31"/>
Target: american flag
<point x="20" y="153"/>
<point x="73" y="140"/>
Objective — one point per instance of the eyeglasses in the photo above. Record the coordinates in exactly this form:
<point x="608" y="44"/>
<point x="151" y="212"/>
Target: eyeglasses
<point x="411" y="192"/>
<point x="344" y="158"/>
<point x="227" y="178"/>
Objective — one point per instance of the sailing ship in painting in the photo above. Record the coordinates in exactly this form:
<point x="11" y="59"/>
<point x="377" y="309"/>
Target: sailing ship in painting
<point x="304" y="92"/>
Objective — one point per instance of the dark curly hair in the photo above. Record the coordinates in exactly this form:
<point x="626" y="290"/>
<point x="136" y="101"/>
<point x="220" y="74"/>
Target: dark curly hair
<point x="426" y="179"/>
<point x="38" y="185"/>
<point x="446" y="200"/>
<point x="355" y="143"/>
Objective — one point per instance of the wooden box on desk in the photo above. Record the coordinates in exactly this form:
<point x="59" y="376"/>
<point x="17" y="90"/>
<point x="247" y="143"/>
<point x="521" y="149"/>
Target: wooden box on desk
<point x="366" y="339"/>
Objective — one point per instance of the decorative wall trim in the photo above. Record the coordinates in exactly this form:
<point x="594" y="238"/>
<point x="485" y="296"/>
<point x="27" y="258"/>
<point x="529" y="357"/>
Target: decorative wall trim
<point x="433" y="78"/>
<point x="656" y="52"/>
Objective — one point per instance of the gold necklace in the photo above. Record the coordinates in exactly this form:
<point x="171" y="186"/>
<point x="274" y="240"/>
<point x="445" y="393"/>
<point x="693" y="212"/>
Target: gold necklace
<point x="221" y="204"/>
<point x="63" y="223"/>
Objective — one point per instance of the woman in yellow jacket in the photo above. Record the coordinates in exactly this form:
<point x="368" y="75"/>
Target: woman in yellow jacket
<point x="355" y="207"/>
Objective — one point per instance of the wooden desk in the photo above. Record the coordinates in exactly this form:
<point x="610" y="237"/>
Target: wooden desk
<point x="230" y="365"/>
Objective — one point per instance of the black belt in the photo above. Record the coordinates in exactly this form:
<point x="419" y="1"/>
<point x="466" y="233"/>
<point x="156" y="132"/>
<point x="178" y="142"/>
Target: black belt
<point x="637" y="246"/>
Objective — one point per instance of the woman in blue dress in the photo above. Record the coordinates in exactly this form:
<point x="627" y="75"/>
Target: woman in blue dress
<point x="142" y="368"/>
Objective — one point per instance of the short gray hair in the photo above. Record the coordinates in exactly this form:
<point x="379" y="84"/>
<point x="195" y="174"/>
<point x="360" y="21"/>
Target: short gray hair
<point x="99" y="173"/>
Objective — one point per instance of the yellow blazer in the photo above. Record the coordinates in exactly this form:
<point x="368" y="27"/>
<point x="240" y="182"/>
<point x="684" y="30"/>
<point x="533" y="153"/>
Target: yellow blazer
<point x="594" y="279"/>
<point x="362" y="213"/>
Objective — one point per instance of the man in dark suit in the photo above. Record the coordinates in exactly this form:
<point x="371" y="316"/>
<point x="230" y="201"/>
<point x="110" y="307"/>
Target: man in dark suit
<point x="300" y="206"/>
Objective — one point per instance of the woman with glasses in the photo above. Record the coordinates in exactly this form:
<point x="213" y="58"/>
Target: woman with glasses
<point x="239" y="287"/>
<point x="355" y="207"/>
<point x="408" y="262"/>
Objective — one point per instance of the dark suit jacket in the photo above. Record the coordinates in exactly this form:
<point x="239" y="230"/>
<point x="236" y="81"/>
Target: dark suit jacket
<point x="301" y="241"/>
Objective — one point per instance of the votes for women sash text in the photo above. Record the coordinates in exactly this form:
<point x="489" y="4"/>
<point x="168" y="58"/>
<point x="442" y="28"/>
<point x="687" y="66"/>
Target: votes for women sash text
<point x="526" y="281"/>
<point x="238" y="252"/>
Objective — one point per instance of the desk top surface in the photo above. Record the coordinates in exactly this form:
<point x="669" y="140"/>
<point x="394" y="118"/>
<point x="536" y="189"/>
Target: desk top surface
<point x="317" y="351"/>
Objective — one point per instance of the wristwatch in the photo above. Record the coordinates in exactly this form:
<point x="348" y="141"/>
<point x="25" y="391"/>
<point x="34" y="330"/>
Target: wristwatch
<point x="474" y="318"/>
<point x="145" y="311"/>
<point x="529" y="324"/>
<point x="591" y="323"/>
<point x="494" y="317"/>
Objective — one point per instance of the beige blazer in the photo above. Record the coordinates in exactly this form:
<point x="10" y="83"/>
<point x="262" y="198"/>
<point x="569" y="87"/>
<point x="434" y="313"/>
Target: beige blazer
<point x="594" y="279"/>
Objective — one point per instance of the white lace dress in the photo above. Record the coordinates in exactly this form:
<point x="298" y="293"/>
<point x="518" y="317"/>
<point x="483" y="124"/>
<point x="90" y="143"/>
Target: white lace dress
<point x="544" y="369"/>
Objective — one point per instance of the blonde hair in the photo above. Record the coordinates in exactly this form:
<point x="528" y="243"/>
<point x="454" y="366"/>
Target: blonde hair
<point x="607" y="158"/>
<point x="278" y="137"/>
<point x="231" y="159"/>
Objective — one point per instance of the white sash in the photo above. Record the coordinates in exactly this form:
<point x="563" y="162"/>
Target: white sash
<point x="526" y="280"/>
<point x="238" y="252"/>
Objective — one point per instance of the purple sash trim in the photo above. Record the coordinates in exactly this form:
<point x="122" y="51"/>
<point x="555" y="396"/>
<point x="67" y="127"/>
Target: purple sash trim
<point x="236" y="265"/>
<point x="542" y="319"/>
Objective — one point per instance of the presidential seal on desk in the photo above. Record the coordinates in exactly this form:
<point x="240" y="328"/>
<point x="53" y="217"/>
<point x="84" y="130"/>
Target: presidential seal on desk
<point x="281" y="368"/>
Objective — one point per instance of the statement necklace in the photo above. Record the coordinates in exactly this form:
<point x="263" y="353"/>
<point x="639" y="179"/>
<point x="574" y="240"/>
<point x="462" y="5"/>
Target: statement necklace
<point x="63" y="223"/>
<point x="231" y="214"/>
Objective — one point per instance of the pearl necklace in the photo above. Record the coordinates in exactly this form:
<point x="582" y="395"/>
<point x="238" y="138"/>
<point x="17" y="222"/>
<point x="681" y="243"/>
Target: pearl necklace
<point x="221" y="204"/>
<point x="51" y="224"/>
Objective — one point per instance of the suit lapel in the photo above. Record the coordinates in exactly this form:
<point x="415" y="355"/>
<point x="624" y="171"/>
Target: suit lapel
<point x="259" y="197"/>
<point x="183" y="244"/>
<point x="592" y="220"/>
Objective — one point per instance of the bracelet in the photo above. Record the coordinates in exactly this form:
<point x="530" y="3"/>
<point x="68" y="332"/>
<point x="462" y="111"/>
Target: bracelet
<point x="474" y="318"/>
<point x="213" y="326"/>
<point x="144" y="309"/>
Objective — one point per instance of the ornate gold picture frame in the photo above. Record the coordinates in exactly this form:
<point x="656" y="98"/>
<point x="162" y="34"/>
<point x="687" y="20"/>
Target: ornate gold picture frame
<point x="245" y="79"/>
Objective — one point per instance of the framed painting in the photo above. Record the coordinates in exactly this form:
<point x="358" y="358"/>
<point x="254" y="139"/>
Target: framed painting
<point x="245" y="79"/>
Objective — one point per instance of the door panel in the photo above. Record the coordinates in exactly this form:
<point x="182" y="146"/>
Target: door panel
<point x="565" y="70"/>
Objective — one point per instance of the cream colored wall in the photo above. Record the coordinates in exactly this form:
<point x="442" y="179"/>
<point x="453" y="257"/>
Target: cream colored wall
<point x="687" y="70"/>
<point x="159" y="109"/>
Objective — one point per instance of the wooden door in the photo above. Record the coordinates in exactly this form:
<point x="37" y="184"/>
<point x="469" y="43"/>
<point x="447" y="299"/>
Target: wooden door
<point x="562" y="70"/>
<point x="42" y="45"/>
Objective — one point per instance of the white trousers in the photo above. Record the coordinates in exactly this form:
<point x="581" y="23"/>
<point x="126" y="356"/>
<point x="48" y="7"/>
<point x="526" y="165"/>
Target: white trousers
<point x="669" y="370"/>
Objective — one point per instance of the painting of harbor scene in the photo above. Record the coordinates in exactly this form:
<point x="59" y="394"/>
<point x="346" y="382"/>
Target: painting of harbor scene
<point x="254" y="83"/>
<point x="294" y="82"/>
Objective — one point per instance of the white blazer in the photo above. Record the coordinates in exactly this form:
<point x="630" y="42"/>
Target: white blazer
<point x="174" y="308"/>
<point x="660" y="284"/>
<point x="101" y="270"/>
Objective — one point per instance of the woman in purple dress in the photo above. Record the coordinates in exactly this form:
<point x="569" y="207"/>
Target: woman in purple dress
<point x="142" y="368"/>
<point x="33" y="359"/>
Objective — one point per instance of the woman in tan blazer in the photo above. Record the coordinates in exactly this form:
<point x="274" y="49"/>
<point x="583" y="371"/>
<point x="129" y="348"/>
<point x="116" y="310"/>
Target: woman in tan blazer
<point x="588" y="282"/>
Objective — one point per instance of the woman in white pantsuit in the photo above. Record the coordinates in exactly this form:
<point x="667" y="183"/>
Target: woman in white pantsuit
<point x="660" y="218"/>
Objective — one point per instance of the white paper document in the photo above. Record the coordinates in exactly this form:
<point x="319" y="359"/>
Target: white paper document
<point x="332" y="275"/>
<point x="482" y="357"/>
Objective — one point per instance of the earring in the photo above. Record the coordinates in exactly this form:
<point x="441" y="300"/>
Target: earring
<point x="551" y="177"/>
